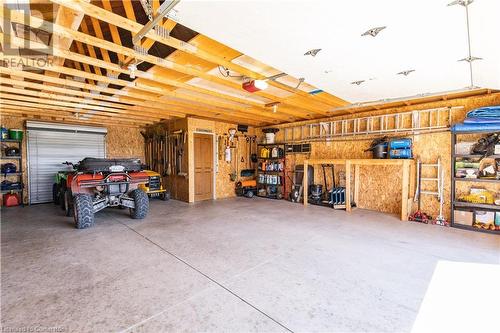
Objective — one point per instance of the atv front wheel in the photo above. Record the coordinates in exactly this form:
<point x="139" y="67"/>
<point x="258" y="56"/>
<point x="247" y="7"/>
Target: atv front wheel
<point x="84" y="211"/>
<point x="141" y="202"/>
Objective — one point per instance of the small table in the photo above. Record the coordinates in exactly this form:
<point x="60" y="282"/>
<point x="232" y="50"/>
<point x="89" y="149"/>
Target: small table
<point x="406" y="183"/>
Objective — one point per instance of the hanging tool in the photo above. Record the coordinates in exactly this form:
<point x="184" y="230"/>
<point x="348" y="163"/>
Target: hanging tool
<point x="221" y="148"/>
<point x="254" y="146"/>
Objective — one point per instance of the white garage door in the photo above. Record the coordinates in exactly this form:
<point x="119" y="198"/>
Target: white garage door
<point x="49" y="145"/>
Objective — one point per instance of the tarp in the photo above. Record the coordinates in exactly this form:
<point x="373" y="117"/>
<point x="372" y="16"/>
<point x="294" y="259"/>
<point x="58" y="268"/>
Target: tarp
<point x="492" y="127"/>
<point x="475" y="120"/>
<point x="485" y="112"/>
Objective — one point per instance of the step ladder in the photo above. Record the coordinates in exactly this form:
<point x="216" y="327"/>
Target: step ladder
<point x="439" y="183"/>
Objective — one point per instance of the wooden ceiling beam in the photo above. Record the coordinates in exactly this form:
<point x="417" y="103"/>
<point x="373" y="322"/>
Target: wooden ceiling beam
<point x="147" y="43"/>
<point x="258" y="115"/>
<point x="117" y="102"/>
<point x="42" y="109"/>
<point x="260" y="112"/>
<point x="91" y="104"/>
<point x="134" y="27"/>
<point x="69" y="18"/>
<point x="131" y="96"/>
<point x="126" y="110"/>
<point x="41" y="97"/>
<point x="115" y="35"/>
<point x="66" y="117"/>
<point x="103" y="44"/>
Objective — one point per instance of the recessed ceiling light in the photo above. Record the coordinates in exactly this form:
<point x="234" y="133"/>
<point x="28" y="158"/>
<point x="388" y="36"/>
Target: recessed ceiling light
<point x="407" y="72"/>
<point x="373" y="31"/>
<point x="312" y="52"/>
<point x="358" y="82"/>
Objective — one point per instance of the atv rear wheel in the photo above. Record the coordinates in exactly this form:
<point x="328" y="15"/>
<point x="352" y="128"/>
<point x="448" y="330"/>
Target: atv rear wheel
<point x="84" y="211"/>
<point x="55" y="193"/>
<point x="141" y="202"/>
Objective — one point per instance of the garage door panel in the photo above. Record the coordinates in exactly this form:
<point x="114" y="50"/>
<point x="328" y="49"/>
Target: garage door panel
<point x="49" y="148"/>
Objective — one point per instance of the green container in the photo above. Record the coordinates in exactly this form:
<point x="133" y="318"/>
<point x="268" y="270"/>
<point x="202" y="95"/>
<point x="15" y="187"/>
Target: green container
<point x="16" y="134"/>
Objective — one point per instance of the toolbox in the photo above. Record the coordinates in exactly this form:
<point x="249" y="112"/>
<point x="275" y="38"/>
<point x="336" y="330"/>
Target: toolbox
<point x="400" y="153"/>
<point x="400" y="148"/>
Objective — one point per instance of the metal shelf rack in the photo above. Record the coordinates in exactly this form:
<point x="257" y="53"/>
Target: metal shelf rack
<point x="468" y="206"/>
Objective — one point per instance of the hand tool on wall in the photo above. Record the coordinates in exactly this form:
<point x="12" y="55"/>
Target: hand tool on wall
<point x="167" y="152"/>
<point x="254" y="148"/>
<point x="221" y="148"/>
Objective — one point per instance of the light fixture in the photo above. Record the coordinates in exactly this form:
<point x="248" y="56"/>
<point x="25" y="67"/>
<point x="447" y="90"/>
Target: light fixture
<point x="132" y="68"/>
<point x="255" y="85"/>
<point x="358" y="82"/>
<point x="373" y="31"/>
<point x="312" y="52"/>
<point x="470" y="59"/>
<point x="464" y="3"/>
<point x="407" y="72"/>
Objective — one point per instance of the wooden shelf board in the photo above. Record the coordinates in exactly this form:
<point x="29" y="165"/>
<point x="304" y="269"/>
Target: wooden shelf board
<point x="476" y="205"/>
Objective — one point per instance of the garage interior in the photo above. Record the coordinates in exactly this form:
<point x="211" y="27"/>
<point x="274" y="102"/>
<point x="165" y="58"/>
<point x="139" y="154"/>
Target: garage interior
<point x="249" y="166"/>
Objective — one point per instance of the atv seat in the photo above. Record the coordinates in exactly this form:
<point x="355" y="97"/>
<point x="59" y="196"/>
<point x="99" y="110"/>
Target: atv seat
<point x="90" y="164"/>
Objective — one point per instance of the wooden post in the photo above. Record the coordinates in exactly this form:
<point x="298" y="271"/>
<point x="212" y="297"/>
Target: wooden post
<point x="356" y="184"/>
<point x="348" y="186"/>
<point x="305" y="183"/>
<point x="404" y="191"/>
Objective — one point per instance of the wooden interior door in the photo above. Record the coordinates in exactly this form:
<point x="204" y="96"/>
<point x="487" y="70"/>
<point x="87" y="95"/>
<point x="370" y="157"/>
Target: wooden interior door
<point x="203" y="167"/>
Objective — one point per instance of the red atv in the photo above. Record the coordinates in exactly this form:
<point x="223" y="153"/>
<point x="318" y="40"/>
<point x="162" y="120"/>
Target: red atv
<point x="98" y="183"/>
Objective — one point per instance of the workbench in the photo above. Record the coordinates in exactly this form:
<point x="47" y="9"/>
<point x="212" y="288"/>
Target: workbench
<point x="407" y="181"/>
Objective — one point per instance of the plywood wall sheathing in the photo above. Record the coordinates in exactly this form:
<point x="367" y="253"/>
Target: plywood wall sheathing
<point x="121" y="142"/>
<point x="380" y="184"/>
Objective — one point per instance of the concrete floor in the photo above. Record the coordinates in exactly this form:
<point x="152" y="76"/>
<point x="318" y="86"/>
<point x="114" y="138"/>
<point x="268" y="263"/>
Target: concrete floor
<point x="237" y="265"/>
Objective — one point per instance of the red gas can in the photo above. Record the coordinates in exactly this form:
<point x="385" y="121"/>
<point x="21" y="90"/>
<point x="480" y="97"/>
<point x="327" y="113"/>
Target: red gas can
<point x="11" y="199"/>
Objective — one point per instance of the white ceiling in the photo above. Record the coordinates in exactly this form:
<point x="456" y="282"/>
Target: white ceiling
<point x="424" y="35"/>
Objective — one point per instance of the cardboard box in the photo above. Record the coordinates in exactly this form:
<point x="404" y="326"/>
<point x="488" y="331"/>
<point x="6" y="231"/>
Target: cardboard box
<point x="483" y="217"/>
<point x="463" y="217"/>
<point x="467" y="173"/>
<point x="464" y="148"/>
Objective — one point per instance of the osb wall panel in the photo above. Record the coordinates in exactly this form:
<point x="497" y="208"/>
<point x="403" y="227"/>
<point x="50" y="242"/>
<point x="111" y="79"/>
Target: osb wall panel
<point x="121" y="141"/>
<point x="124" y="142"/>
<point x="182" y="187"/>
<point x="179" y="185"/>
<point x="381" y="186"/>
<point x="224" y="186"/>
